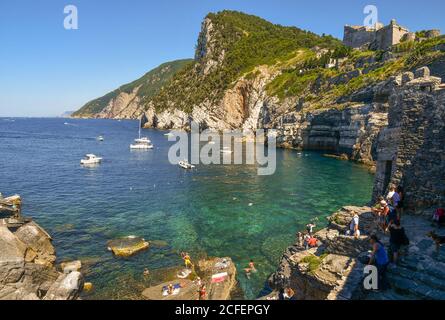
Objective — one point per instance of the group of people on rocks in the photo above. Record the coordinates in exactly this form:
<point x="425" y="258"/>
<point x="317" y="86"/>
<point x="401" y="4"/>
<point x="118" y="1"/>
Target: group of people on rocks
<point x="308" y="239"/>
<point x="389" y="212"/>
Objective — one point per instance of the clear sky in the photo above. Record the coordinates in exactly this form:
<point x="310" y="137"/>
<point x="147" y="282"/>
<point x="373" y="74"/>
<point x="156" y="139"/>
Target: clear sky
<point x="46" y="70"/>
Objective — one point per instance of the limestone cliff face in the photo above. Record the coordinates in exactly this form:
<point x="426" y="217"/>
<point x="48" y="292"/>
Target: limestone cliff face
<point x="27" y="266"/>
<point x="124" y="106"/>
<point x="240" y="108"/>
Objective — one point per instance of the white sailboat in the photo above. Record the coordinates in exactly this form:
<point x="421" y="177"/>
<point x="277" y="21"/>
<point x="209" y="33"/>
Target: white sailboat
<point x="141" y="143"/>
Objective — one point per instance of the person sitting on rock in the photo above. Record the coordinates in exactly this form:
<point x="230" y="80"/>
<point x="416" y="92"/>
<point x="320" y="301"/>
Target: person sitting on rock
<point x="146" y="272"/>
<point x="312" y="242"/>
<point x="170" y="289"/>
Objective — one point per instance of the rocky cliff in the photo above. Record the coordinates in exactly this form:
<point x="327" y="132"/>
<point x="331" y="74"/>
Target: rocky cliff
<point x="128" y="101"/>
<point x="249" y="73"/>
<point x="409" y="153"/>
<point x="27" y="265"/>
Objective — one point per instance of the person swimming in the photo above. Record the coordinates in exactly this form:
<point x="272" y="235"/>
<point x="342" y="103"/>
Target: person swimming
<point x="251" y="268"/>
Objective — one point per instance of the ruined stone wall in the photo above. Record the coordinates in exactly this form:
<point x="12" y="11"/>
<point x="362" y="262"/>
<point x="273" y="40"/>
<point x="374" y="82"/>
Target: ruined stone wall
<point x="411" y="151"/>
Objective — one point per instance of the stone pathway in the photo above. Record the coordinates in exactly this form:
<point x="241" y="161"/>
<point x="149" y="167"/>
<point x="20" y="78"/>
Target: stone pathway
<point x="421" y="272"/>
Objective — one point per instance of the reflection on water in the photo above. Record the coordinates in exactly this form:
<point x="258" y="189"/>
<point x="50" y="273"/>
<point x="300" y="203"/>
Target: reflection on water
<point x="214" y="210"/>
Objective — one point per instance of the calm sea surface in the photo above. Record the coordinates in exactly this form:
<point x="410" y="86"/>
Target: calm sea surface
<point x="213" y="210"/>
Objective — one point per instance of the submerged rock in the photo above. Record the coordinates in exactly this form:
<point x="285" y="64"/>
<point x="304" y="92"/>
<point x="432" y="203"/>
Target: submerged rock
<point x="128" y="246"/>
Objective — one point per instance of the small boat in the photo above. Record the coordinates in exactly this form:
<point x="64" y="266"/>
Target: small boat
<point x="226" y="150"/>
<point x="100" y="138"/>
<point x="186" y="165"/>
<point x="141" y="143"/>
<point x="90" y="159"/>
<point x="169" y="134"/>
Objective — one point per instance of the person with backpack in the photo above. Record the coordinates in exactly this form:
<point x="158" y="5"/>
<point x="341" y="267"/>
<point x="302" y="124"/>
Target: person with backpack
<point x="379" y="258"/>
<point x="398" y="238"/>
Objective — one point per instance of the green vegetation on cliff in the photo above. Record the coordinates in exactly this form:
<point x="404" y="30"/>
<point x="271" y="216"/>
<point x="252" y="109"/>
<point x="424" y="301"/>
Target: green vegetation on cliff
<point x="147" y="86"/>
<point x="310" y="77"/>
<point x="238" y="43"/>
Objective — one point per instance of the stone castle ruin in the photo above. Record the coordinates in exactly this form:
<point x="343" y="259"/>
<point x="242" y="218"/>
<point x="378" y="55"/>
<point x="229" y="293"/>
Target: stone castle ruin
<point x="380" y="37"/>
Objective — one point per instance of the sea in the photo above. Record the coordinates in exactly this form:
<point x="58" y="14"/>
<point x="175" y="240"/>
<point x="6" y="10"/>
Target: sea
<point x="210" y="211"/>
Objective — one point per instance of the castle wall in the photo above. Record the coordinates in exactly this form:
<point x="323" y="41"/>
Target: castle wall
<point x="357" y="37"/>
<point x="411" y="150"/>
<point x="380" y="38"/>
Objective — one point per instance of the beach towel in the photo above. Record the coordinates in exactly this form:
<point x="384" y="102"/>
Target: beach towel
<point x="220" y="277"/>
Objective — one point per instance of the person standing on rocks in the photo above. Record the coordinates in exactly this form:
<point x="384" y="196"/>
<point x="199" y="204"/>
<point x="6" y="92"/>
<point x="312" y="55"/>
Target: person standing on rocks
<point x="379" y="258"/>
<point x="310" y="228"/>
<point x="354" y="226"/>
<point x="397" y="239"/>
<point x="300" y="239"/>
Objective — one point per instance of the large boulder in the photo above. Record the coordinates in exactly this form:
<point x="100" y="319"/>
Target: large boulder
<point x="66" y="287"/>
<point x="27" y="269"/>
<point x="39" y="241"/>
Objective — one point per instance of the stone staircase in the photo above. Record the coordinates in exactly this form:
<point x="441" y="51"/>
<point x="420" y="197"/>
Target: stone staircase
<point x="419" y="276"/>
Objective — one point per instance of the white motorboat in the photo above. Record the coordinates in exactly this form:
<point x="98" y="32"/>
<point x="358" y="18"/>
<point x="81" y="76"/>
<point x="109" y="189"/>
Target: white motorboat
<point x="186" y="165"/>
<point x="90" y="159"/>
<point x="100" y="138"/>
<point x="141" y="143"/>
<point x="169" y="134"/>
<point x="226" y="150"/>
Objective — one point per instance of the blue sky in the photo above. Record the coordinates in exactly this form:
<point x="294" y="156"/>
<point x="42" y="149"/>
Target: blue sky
<point x="46" y="70"/>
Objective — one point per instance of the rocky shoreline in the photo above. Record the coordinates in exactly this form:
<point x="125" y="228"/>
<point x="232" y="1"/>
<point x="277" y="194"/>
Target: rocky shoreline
<point x="27" y="263"/>
<point x="408" y="152"/>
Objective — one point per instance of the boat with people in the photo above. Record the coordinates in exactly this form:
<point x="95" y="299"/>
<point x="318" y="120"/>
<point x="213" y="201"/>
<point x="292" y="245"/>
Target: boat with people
<point x="141" y="143"/>
<point x="100" y="138"/>
<point x="186" y="165"/>
<point x="90" y="159"/>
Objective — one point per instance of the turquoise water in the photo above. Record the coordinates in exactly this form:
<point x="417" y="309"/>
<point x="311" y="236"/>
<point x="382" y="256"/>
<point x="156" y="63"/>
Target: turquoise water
<point x="205" y="211"/>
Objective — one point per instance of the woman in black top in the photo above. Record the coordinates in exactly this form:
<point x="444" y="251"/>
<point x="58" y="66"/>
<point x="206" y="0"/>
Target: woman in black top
<point x="397" y="239"/>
